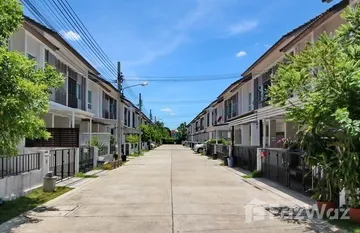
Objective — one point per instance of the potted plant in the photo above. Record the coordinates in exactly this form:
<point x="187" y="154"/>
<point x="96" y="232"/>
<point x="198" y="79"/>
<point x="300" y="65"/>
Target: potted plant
<point x="349" y="171"/>
<point x="116" y="156"/>
<point x="289" y="143"/>
<point x="323" y="194"/>
<point x="322" y="155"/>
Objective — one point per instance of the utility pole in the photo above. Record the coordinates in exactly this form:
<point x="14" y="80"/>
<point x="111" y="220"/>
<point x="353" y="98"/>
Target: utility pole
<point x="140" y="102"/>
<point x="140" y="108"/>
<point x="120" y="111"/>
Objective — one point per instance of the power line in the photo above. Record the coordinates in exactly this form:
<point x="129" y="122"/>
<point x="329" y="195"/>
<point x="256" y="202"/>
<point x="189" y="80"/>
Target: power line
<point x="185" y="79"/>
<point x="178" y="102"/>
<point x="66" y="18"/>
<point x="186" y="76"/>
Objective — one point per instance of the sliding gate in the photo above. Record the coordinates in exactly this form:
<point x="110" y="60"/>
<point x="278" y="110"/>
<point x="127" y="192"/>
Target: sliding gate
<point x="62" y="163"/>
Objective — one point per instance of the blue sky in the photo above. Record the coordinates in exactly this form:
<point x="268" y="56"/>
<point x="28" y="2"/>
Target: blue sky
<point x="189" y="38"/>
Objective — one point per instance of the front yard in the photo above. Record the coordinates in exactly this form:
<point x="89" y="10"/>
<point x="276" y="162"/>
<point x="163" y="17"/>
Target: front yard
<point x="11" y="209"/>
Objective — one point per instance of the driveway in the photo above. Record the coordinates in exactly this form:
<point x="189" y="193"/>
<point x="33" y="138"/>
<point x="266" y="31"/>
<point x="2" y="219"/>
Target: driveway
<point x="169" y="190"/>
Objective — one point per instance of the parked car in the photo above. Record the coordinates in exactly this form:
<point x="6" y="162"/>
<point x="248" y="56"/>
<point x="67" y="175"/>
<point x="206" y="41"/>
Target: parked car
<point x="199" y="147"/>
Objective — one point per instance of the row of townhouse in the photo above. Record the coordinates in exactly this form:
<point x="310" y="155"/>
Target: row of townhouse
<point x="86" y="105"/>
<point x="243" y="106"/>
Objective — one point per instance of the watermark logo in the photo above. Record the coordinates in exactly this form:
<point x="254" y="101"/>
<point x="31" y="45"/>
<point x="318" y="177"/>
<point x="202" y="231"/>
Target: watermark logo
<point x="257" y="210"/>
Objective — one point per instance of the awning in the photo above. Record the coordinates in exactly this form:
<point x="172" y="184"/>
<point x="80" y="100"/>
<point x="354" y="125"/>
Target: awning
<point x="132" y="131"/>
<point x="106" y="121"/>
<point x="244" y="120"/>
<point x="62" y="109"/>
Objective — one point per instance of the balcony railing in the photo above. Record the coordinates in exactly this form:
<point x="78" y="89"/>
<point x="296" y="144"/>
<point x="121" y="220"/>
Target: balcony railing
<point x="106" y="114"/>
<point x="60" y="96"/>
<point x="73" y="101"/>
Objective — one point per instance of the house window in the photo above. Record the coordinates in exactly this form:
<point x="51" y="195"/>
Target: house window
<point x="78" y="91"/>
<point x="125" y="116"/>
<point x="234" y="105"/>
<point x="89" y="99"/>
<point x="250" y="102"/>
<point x="231" y="107"/>
<point x="133" y="119"/>
<point x="214" y="117"/>
<point x="208" y="120"/>
<point x="128" y="116"/>
<point x="201" y="123"/>
<point x="31" y="57"/>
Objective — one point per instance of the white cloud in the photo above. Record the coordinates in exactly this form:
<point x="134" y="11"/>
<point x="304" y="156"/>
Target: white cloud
<point x="70" y="35"/>
<point x="166" y="110"/>
<point x="151" y="54"/>
<point x="242" y="27"/>
<point x="241" y="54"/>
<point x="266" y="46"/>
<point x="203" y="14"/>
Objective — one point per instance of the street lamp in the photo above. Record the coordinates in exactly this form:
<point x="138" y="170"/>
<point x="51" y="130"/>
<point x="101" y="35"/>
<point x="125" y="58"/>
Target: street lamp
<point x="121" y="111"/>
<point x="143" y="84"/>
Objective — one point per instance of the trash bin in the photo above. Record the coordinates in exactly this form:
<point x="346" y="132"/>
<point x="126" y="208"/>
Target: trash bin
<point x="226" y="160"/>
<point x="215" y="156"/>
<point x="49" y="184"/>
<point x="230" y="161"/>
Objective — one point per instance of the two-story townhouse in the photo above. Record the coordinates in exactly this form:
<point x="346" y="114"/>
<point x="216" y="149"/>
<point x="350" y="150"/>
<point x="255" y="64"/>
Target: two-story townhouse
<point x="68" y="104"/>
<point x="260" y="124"/>
<point x="199" y="133"/>
<point x="239" y="112"/>
<point x="85" y="106"/>
<point x="211" y="122"/>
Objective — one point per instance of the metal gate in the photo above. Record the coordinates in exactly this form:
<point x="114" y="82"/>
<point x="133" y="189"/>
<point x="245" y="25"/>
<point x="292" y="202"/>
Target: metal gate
<point x="62" y="163"/>
<point x="86" y="160"/>
<point x="287" y="168"/>
<point x="245" y="157"/>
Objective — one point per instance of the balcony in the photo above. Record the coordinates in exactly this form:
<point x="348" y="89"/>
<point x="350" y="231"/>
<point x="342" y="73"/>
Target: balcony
<point x="73" y="101"/>
<point x="60" y="96"/>
<point x="106" y="114"/>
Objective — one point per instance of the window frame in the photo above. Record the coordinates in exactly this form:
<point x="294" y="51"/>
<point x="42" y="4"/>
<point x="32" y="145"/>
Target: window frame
<point x="89" y="100"/>
<point x="78" y="91"/>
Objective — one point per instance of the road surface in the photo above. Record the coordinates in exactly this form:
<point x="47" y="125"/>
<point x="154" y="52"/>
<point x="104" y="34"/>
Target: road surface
<point x="169" y="190"/>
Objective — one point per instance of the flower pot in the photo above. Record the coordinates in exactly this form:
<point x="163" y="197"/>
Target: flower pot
<point x="326" y="205"/>
<point x="123" y="158"/>
<point x="354" y="214"/>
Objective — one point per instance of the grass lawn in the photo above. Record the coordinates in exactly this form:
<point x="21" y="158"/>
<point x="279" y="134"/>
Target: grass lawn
<point x="347" y="225"/>
<point x="83" y="175"/>
<point x="136" y="154"/>
<point x="11" y="209"/>
<point x="254" y="174"/>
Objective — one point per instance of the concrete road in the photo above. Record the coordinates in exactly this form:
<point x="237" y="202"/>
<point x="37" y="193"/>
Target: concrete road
<point x="169" y="190"/>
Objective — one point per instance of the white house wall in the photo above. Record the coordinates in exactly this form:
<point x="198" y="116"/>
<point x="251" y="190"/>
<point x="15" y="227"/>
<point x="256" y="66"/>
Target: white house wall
<point x="17" y="41"/>
<point x="67" y="57"/>
<point x="95" y="99"/>
<point x="35" y="49"/>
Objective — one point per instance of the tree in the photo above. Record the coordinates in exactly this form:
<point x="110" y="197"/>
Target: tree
<point x="182" y="131"/>
<point x="132" y="138"/>
<point x="155" y="132"/>
<point x="24" y="89"/>
<point x="326" y="78"/>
